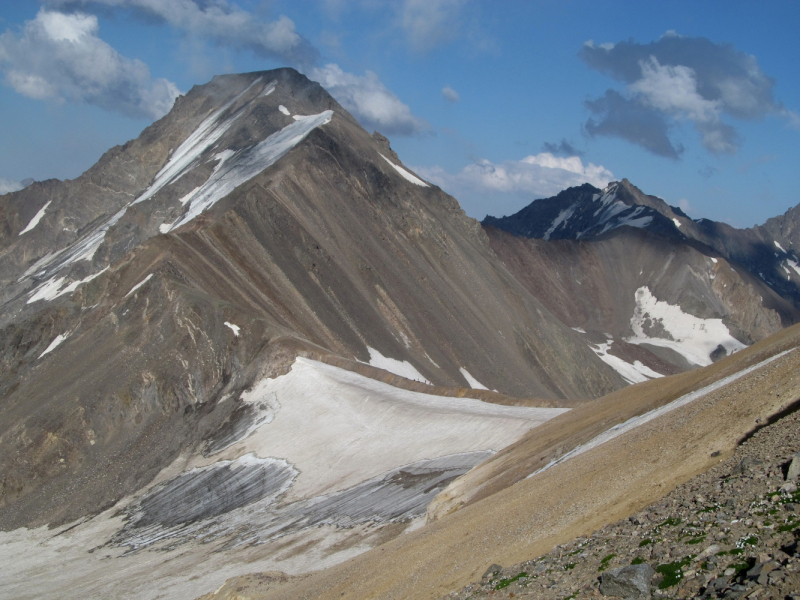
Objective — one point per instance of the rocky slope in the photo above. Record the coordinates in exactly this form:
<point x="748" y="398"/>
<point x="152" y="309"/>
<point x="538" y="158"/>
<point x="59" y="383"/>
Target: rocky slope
<point x="637" y="271"/>
<point x="731" y="532"/>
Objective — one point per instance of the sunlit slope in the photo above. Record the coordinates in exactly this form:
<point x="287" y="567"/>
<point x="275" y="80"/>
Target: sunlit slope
<point x="579" y="495"/>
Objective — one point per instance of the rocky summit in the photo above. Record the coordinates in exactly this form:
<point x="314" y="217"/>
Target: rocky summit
<point x="252" y="346"/>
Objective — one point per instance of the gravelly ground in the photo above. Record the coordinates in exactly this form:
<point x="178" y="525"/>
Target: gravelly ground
<point x="730" y="532"/>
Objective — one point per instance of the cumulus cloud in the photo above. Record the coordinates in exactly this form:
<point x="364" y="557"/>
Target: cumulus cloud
<point x="450" y="94"/>
<point x="428" y="23"/>
<point x="676" y="79"/>
<point x="539" y="175"/>
<point x="369" y="101"/>
<point x="563" y="148"/>
<point x="222" y="22"/>
<point x="59" y="57"/>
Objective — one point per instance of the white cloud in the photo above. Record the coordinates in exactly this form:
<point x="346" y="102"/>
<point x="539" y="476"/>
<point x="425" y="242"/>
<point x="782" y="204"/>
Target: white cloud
<point x="224" y="23"/>
<point x="673" y="90"/>
<point x="369" y="101"/>
<point x="679" y="78"/>
<point x="450" y="94"/>
<point x="541" y="175"/>
<point x="59" y="57"/>
<point x="9" y="185"/>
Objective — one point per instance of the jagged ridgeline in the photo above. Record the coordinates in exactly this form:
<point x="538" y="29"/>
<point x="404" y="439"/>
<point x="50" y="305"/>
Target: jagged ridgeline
<point x="252" y="339"/>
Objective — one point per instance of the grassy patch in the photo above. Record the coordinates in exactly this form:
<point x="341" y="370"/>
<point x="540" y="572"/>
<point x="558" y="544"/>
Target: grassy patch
<point x="789" y="527"/>
<point x="698" y="540"/>
<point x="605" y="561"/>
<point x="737" y="551"/>
<point x="504" y="583"/>
<point x="638" y="561"/>
<point x="645" y="542"/>
<point x="739" y="567"/>
<point x="570" y="566"/>
<point x="672" y="573"/>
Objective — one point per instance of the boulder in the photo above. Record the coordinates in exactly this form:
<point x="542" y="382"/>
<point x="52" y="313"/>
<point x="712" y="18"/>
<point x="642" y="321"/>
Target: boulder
<point x="794" y="468"/>
<point x="627" y="582"/>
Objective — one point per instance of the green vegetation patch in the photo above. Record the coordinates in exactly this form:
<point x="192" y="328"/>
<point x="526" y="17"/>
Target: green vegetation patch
<point x="504" y="583"/>
<point x="638" y="561"/>
<point x="645" y="542"/>
<point x="699" y="539"/>
<point x="570" y="566"/>
<point x="739" y="567"/>
<point x="789" y="527"/>
<point x="672" y="572"/>
<point x="605" y="561"/>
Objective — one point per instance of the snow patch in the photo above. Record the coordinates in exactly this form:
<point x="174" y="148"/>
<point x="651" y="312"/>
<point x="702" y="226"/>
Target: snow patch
<point x="581" y="329"/>
<point x="236" y="168"/>
<point x="634" y="422"/>
<point x="36" y="218"/>
<point x="714" y="260"/>
<point x="138" y="285"/>
<point x="403" y="368"/>
<point x="473" y="383"/>
<point x="284" y="110"/>
<point x="692" y="337"/>
<point x="560" y="220"/>
<point x="234" y="328"/>
<point x="794" y="265"/>
<point x="405" y="174"/>
<point x="54" y="344"/>
<point x="632" y="373"/>
<point x="778" y="246"/>
<point x="677" y="223"/>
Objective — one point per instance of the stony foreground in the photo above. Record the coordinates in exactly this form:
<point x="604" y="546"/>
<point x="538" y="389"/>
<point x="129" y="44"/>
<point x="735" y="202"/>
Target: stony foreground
<point x="731" y="532"/>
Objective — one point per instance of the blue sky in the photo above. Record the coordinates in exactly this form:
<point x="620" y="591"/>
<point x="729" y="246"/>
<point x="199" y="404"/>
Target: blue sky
<point x="498" y="102"/>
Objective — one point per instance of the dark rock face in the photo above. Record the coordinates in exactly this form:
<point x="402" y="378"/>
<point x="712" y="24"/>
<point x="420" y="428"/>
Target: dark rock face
<point x="768" y="252"/>
<point x="627" y="582"/>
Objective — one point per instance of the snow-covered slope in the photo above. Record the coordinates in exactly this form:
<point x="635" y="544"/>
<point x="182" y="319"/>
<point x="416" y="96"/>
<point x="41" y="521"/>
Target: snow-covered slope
<point x="326" y="454"/>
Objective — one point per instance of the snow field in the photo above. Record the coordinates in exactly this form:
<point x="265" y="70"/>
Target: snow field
<point x="339" y="428"/>
<point x="473" y="383"/>
<point x="403" y="368"/>
<point x="632" y="373"/>
<point x="692" y="337"/>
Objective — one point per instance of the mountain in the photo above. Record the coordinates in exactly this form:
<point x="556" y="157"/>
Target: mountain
<point x="642" y="278"/>
<point x="252" y="340"/>
<point x="252" y="327"/>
